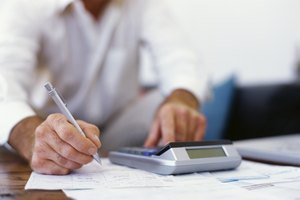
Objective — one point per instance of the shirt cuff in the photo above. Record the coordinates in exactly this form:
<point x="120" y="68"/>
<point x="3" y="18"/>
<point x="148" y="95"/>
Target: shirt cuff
<point x="11" y="114"/>
<point x="199" y="88"/>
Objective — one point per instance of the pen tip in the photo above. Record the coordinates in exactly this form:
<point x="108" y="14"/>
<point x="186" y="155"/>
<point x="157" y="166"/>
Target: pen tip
<point x="98" y="159"/>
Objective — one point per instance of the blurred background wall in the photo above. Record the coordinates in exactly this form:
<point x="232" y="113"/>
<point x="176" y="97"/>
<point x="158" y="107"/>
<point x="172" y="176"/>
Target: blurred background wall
<point x="257" y="40"/>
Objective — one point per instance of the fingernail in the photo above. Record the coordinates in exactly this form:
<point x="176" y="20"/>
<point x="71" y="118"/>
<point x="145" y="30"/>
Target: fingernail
<point x="97" y="138"/>
<point x="92" y="151"/>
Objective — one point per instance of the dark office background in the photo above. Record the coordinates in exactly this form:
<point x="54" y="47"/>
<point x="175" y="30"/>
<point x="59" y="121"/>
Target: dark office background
<point x="266" y="110"/>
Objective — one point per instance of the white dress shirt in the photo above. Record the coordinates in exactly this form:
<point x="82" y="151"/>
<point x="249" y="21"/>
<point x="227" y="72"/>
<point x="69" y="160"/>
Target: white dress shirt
<point x="93" y="64"/>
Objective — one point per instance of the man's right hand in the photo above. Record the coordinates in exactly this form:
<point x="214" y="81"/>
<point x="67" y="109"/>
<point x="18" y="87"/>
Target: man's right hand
<point x="54" y="146"/>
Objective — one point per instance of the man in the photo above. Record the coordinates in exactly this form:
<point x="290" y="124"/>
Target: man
<point x="89" y="50"/>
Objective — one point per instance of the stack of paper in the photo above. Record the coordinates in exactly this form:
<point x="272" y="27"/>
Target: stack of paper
<point x="250" y="181"/>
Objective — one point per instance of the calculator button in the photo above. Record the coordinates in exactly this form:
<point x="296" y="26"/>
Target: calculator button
<point x="139" y="151"/>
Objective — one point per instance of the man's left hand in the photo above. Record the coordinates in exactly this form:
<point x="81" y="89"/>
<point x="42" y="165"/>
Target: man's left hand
<point x="177" y="119"/>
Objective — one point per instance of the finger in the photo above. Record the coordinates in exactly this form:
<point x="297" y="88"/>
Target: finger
<point x="154" y="136"/>
<point x="201" y="128"/>
<point x="92" y="132"/>
<point x="49" y="137"/>
<point x="68" y="151"/>
<point x="48" y="153"/>
<point x="167" y="125"/>
<point x="69" y="134"/>
<point x="44" y="166"/>
<point x="181" y="126"/>
<point x="63" y="162"/>
<point x="192" y="127"/>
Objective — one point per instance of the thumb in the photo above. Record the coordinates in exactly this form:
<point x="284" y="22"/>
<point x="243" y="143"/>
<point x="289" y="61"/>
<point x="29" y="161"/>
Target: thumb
<point x="154" y="135"/>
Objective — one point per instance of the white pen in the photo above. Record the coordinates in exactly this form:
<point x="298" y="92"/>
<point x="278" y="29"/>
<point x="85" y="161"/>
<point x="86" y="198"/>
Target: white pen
<point x="63" y="108"/>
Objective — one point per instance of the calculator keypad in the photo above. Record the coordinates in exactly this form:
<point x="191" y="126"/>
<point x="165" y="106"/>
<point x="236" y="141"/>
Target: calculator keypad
<point x="139" y="151"/>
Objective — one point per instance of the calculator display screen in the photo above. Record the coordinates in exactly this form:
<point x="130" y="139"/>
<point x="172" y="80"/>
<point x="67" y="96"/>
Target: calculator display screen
<point x="206" y="153"/>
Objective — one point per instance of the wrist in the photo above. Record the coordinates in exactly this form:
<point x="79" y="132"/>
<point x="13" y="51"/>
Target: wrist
<point x="22" y="136"/>
<point x="184" y="97"/>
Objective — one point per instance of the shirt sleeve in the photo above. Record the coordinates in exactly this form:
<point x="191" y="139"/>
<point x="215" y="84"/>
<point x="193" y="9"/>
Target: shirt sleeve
<point x="175" y="61"/>
<point x="18" y="49"/>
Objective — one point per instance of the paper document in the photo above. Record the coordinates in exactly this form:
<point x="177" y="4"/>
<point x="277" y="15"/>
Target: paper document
<point x="250" y="181"/>
<point x="209" y="190"/>
<point x="187" y="186"/>
<point x="282" y="182"/>
<point x="94" y="175"/>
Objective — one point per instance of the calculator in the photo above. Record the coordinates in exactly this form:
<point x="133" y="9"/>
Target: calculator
<point x="180" y="157"/>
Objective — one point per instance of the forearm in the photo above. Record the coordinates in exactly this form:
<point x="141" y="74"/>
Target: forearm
<point x="22" y="136"/>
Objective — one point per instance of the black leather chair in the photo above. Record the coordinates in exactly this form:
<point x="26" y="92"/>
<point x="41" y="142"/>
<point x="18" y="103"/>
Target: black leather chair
<point x="260" y="111"/>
